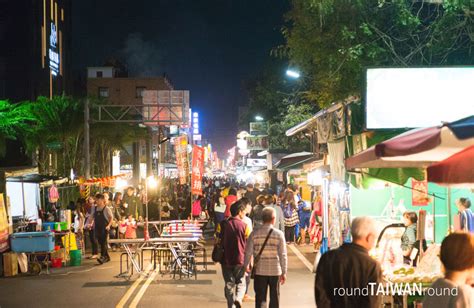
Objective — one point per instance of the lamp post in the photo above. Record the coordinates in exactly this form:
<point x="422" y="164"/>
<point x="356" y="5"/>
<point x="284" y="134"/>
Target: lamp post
<point x="259" y="118"/>
<point x="293" y="74"/>
<point x="150" y="182"/>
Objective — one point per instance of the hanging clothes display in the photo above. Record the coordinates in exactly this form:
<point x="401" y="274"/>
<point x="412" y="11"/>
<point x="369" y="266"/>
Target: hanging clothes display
<point x="53" y="194"/>
<point x="324" y="126"/>
<point x="336" y="151"/>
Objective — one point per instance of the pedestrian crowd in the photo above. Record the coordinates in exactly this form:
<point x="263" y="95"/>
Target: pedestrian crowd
<point x="253" y="226"/>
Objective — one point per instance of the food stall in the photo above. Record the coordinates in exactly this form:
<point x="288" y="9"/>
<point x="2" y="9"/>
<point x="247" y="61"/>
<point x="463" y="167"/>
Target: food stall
<point x="419" y="148"/>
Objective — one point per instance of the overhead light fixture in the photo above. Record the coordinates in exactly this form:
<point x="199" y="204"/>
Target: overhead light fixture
<point x="293" y="74"/>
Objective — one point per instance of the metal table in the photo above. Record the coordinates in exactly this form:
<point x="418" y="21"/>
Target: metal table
<point x="127" y="243"/>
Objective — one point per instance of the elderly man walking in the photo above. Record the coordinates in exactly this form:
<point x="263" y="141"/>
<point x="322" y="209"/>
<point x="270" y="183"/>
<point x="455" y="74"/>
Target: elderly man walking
<point x="267" y="246"/>
<point x="342" y="271"/>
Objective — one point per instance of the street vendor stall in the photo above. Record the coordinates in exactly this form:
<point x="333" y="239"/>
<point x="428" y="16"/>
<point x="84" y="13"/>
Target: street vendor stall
<point x="419" y="148"/>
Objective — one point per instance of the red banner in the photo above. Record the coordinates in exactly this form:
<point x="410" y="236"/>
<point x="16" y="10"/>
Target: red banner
<point x="181" y="148"/>
<point x="420" y="193"/>
<point x="197" y="171"/>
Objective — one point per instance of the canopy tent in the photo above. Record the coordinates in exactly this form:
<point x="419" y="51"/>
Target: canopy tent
<point x="294" y="160"/>
<point x="417" y="148"/>
<point x="40" y="179"/>
<point x="455" y="170"/>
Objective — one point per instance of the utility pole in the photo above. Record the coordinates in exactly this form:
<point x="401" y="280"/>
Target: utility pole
<point x="149" y="154"/>
<point x="87" y="158"/>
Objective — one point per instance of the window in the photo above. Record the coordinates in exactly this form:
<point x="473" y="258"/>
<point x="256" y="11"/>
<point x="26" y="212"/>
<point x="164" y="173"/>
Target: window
<point x="103" y="92"/>
<point x="139" y="92"/>
<point x="99" y="74"/>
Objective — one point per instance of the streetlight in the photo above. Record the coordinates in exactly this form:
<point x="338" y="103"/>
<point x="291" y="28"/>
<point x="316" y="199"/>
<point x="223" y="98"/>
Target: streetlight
<point x="293" y="74"/>
<point x="259" y="118"/>
<point x="150" y="182"/>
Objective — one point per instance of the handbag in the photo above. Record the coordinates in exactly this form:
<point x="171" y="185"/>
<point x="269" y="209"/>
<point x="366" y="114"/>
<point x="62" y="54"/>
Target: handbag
<point x="257" y="258"/>
<point x="218" y="250"/>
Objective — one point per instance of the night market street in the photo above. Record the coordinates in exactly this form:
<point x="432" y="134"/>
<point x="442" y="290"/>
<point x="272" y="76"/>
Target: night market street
<point x="237" y="153"/>
<point x="92" y="285"/>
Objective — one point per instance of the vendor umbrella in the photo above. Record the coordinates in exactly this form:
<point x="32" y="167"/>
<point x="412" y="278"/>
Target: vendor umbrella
<point x="455" y="170"/>
<point x="417" y="148"/>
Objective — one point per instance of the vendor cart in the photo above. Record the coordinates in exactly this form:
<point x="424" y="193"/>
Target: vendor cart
<point x="37" y="246"/>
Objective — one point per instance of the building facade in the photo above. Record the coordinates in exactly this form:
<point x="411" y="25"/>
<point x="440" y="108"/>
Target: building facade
<point x="114" y="86"/>
<point x="35" y="57"/>
<point x="103" y="82"/>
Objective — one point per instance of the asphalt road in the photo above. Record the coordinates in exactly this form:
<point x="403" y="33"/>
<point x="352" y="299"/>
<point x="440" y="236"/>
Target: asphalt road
<point x="92" y="285"/>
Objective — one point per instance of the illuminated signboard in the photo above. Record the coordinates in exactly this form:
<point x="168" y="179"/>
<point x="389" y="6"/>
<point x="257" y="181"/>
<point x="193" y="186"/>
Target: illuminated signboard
<point x="53" y="51"/>
<point x="195" y="123"/>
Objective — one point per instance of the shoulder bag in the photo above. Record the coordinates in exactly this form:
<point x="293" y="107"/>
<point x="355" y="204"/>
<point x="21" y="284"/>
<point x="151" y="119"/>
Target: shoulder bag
<point x="218" y="250"/>
<point x="257" y="258"/>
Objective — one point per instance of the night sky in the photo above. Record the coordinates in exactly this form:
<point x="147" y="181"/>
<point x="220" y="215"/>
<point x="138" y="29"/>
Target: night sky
<point x="206" y="46"/>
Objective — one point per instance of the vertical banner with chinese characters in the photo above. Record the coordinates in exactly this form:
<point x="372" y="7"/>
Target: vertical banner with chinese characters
<point x="197" y="170"/>
<point x="420" y="193"/>
<point x="181" y="148"/>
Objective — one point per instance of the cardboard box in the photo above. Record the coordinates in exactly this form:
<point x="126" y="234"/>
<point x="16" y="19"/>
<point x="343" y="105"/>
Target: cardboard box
<point x="10" y="264"/>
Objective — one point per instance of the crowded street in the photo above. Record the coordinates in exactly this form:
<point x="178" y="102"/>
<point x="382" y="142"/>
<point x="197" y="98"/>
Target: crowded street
<point x="237" y="153"/>
<point x="96" y="286"/>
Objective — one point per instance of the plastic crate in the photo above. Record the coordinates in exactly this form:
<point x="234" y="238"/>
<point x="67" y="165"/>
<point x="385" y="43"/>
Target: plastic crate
<point x="32" y="241"/>
<point x="48" y="226"/>
<point x="64" y="225"/>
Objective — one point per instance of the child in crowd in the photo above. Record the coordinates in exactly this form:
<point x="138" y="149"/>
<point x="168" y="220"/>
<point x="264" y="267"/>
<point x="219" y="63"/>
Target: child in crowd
<point x="131" y="227"/>
<point x="122" y="228"/>
<point x="79" y="220"/>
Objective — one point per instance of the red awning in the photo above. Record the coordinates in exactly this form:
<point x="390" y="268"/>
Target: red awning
<point x="455" y="170"/>
<point x="414" y="149"/>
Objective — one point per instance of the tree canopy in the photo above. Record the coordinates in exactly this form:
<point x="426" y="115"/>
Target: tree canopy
<point x="333" y="41"/>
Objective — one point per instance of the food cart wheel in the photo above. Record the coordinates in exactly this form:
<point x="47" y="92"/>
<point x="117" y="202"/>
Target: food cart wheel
<point x="34" y="268"/>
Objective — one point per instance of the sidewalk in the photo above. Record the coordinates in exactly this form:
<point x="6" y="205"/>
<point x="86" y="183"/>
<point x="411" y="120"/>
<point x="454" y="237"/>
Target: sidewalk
<point x="95" y="285"/>
<point x="208" y="290"/>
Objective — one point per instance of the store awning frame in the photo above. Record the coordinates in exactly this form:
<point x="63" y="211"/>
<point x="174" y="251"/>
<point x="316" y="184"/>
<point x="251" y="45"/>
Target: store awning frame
<point x="311" y="122"/>
<point x="418" y="148"/>
<point x="294" y="160"/>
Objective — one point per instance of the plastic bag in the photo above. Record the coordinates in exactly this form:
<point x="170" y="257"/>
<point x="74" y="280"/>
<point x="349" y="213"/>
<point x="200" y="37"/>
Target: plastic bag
<point x="69" y="241"/>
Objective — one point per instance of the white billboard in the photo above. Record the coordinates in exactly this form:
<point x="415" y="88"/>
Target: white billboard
<point x="418" y="97"/>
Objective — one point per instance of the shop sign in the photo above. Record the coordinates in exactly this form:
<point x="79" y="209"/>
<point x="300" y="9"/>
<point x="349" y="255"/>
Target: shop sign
<point x="257" y="143"/>
<point x="258" y="128"/>
<point x="197" y="170"/>
<point x="420" y="193"/>
<point x="181" y="147"/>
<point x="53" y="51"/>
<point x="55" y="145"/>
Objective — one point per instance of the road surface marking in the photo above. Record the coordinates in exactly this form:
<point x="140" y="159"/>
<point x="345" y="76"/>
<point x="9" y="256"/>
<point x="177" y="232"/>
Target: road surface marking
<point x="300" y="256"/>
<point x="130" y="291"/>
<point x="145" y="286"/>
<point x="83" y="271"/>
